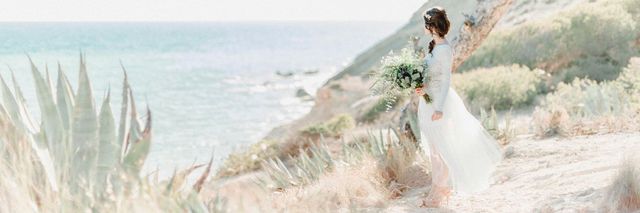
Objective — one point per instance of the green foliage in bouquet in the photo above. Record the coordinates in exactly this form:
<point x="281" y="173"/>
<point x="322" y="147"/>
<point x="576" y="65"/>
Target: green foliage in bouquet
<point x="399" y="75"/>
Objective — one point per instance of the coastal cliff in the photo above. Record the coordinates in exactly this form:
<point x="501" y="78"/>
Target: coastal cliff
<point x="348" y="90"/>
<point x="548" y="141"/>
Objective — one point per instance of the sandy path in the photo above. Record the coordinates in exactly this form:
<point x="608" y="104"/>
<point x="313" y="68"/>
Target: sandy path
<point x="551" y="175"/>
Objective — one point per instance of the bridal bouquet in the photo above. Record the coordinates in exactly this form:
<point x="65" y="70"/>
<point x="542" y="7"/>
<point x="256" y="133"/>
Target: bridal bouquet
<point x="399" y="75"/>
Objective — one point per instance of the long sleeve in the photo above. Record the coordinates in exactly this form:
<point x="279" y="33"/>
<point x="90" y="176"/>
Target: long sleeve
<point x="440" y="70"/>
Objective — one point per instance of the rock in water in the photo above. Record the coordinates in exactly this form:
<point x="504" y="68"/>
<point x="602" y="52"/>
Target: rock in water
<point x="284" y="74"/>
<point x="311" y="72"/>
<point x="303" y="94"/>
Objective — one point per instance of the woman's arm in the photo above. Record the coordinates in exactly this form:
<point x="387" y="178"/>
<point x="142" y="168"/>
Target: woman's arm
<point x="442" y="65"/>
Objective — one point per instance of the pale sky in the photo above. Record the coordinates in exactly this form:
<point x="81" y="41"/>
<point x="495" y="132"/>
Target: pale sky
<point x="206" y="10"/>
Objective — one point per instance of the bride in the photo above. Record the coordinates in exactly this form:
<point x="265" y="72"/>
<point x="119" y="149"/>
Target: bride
<point x="463" y="155"/>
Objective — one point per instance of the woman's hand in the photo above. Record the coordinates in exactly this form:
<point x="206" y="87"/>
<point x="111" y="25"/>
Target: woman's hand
<point x="420" y="91"/>
<point x="437" y="115"/>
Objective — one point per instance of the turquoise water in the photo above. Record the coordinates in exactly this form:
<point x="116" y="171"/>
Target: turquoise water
<point x="212" y="87"/>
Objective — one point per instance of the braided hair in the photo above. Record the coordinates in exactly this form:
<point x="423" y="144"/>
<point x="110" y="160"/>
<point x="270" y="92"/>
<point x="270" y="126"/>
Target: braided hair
<point x="436" y="21"/>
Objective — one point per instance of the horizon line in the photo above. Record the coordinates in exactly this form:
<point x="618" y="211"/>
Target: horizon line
<point x="193" y="21"/>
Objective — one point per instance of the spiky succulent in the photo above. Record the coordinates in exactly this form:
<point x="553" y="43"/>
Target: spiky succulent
<point x="76" y="158"/>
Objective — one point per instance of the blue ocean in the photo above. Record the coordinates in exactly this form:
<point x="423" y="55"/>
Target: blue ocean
<point x="212" y="87"/>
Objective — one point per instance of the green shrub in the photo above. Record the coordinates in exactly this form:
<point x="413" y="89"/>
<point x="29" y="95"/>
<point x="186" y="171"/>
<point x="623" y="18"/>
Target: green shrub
<point x="630" y="79"/>
<point x="250" y="159"/>
<point x="501" y="87"/>
<point x="592" y="40"/>
<point x="332" y="128"/>
<point x="587" y="98"/>
<point x="586" y="107"/>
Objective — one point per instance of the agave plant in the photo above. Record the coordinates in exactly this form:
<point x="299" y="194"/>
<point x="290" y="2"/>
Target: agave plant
<point x="391" y="150"/>
<point x="306" y="168"/>
<point x="80" y="153"/>
<point x="489" y="120"/>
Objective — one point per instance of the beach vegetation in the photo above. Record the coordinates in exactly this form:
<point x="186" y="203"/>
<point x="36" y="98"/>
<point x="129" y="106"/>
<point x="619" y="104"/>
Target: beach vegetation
<point x="585" y="106"/>
<point x="78" y="159"/>
<point x="334" y="127"/>
<point x="592" y="40"/>
<point x="501" y="87"/>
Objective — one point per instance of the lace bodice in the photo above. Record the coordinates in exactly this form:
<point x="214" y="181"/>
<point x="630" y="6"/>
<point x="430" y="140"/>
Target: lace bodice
<point x="439" y="64"/>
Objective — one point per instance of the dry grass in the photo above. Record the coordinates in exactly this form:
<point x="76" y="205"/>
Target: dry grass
<point x="347" y="188"/>
<point x="551" y="122"/>
<point x="363" y="177"/>
<point x="401" y="167"/>
<point x="624" y="194"/>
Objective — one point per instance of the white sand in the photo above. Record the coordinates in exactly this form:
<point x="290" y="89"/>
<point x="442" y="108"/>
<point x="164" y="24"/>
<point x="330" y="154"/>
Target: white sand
<point x="550" y="175"/>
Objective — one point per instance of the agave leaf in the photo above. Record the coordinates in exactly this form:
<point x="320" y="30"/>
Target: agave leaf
<point x="51" y="122"/>
<point x="169" y="184"/>
<point x="179" y="178"/>
<point x="194" y="204"/>
<point x="283" y="167"/>
<point x="124" y="109"/>
<point x="49" y="81"/>
<point x="200" y="182"/>
<point x="84" y="129"/>
<point x="137" y="153"/>
<point x="4" y="115"/>
<point x="153" y="174"/>
<point x="15" y="110"/>
<point x="38" y="143"/>
<point x="29" y="121"/>
<point x="134" y="130"/>
<point x="65" y="98"/>
<point x="38" y="146"/>
<point x="109" y="148"/>
<point x="11" y="106"/>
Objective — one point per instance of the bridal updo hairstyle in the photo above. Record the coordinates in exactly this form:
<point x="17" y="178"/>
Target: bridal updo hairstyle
<point x="436" y="21"/>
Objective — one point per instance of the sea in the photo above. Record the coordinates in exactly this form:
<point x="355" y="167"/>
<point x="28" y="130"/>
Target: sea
<point x="212" y="87"/>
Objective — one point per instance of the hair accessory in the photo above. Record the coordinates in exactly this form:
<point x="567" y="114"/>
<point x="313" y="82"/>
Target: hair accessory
<point x="427" y="16"/>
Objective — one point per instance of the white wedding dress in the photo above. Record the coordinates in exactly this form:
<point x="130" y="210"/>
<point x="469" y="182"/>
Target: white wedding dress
<point x="457" y="139"/>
